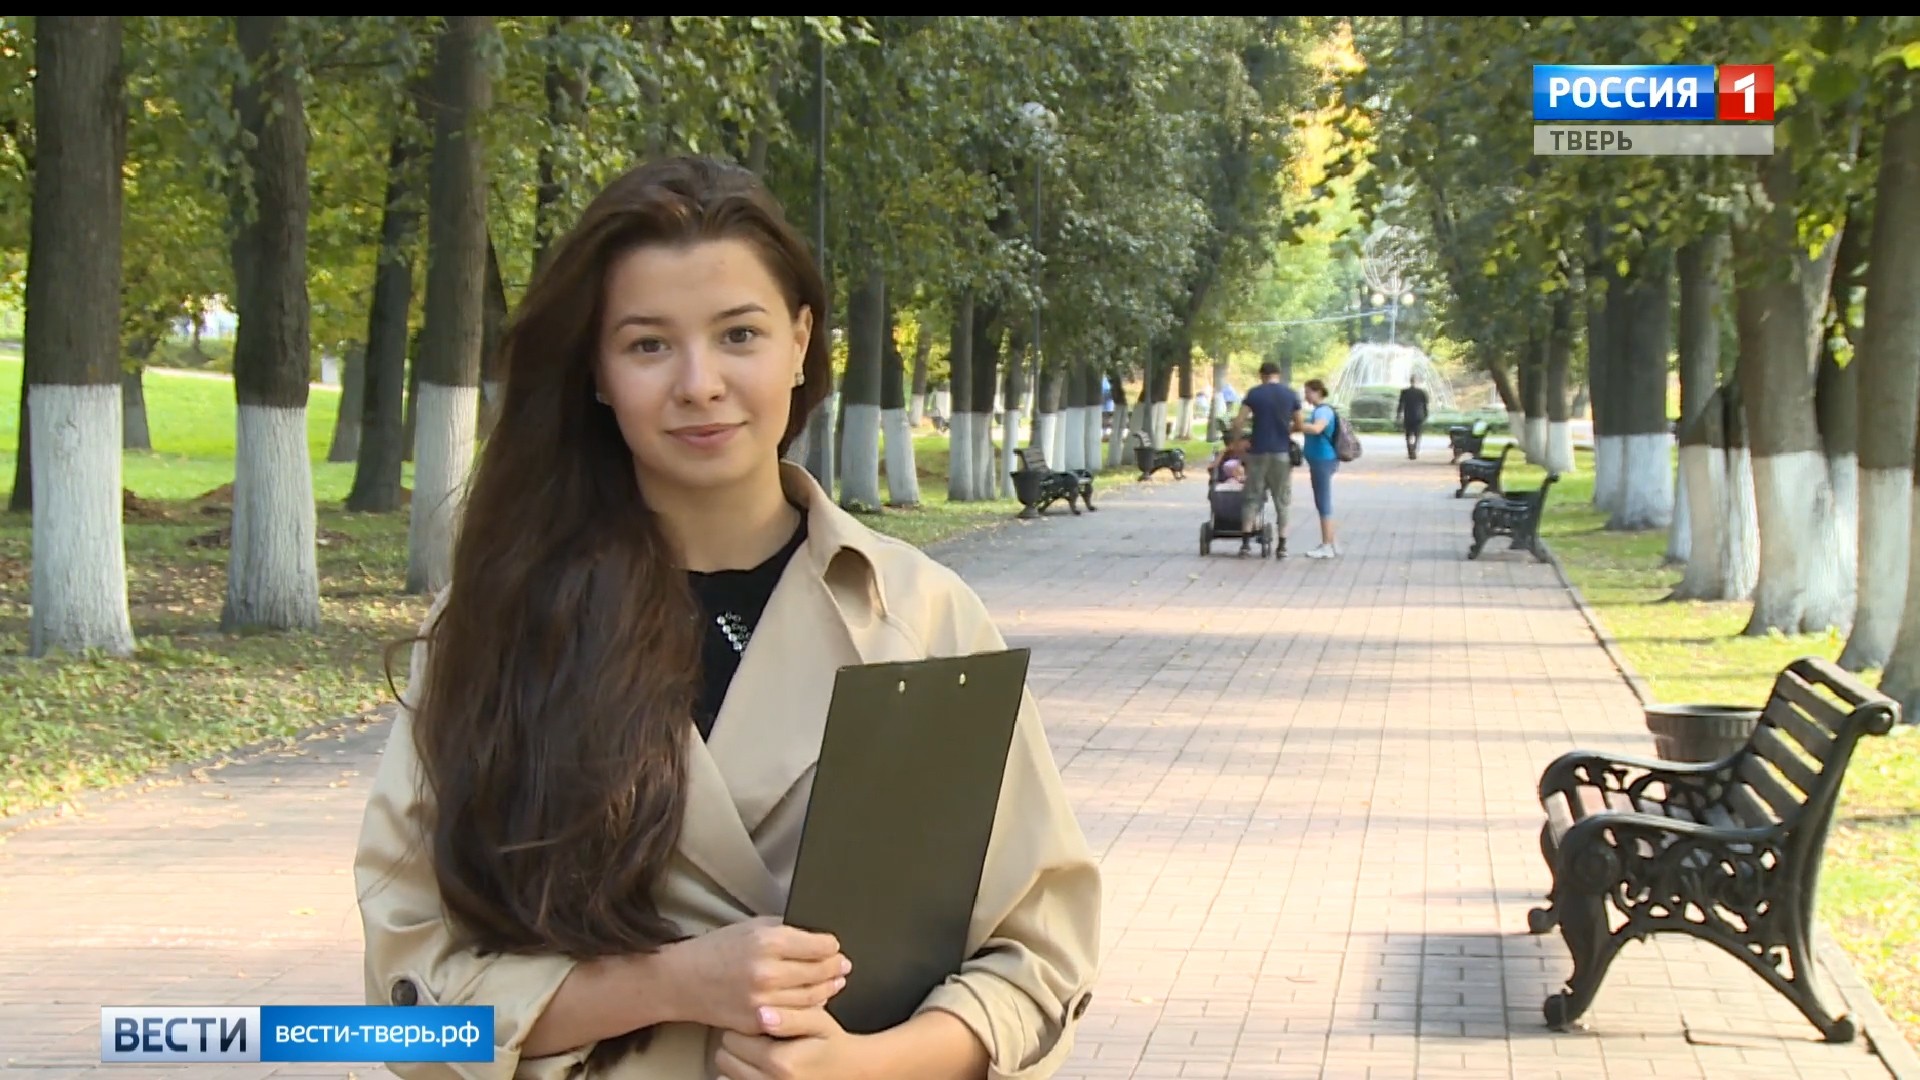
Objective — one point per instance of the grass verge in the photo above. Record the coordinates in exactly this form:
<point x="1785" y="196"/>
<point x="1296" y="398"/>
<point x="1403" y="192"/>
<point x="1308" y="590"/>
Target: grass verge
<point x="1696" y="652"/>
<point x="70" y="725"/>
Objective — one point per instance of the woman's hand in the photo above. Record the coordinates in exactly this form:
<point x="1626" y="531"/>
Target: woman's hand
<point x="744" y="977"/>
<point x="806" y="1044"/>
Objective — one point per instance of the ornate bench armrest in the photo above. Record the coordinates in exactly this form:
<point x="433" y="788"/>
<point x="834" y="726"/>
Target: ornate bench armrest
<point x="1595" y="865"/>
<point x="1623" y="772"/>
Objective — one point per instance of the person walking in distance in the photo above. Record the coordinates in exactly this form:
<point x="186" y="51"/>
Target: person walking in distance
<point x="1323" y="460"/>
<point x="1272" y="410"/>
<point x="1412" y="414"/>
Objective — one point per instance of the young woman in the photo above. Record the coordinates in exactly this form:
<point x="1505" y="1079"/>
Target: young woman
<point x="1322" y="462"/>
<point x="590" y="804"/>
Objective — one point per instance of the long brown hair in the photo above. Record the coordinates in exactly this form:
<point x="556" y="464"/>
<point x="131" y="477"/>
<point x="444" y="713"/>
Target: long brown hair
<point x="553" y="722"/>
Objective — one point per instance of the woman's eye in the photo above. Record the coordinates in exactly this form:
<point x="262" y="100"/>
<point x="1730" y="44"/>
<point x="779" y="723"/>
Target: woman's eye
<point x="647" y="345"/>
<point x="741" y="335"/>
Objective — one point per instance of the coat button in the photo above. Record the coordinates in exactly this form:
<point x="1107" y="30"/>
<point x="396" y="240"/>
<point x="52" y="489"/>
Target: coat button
<point x="405" y="993"/>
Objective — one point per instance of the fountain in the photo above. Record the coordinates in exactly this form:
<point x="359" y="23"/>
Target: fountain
<point x="1371" y="364"/>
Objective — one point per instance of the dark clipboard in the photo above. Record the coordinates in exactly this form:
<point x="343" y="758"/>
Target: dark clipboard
<point x="897" y="826"/>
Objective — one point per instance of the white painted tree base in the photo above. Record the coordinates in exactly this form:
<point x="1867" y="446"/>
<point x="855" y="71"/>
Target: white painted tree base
<point x="1044" y="432"/>
<point x="1645" y="496"/>
<point x="1073" y="438"/>
<point x="1056" y="441"/>
<point x="903" y="473"/>
<point x="1901" y="678"/>
<point x="273" y="576"/>
<point x="860" y="457"/>
<point x="1560" y="448"/>
<point x="1010" y="443"/>
<point x="1703" y="474"/>
<point x="1609" y="459"/>
<point x="1886" y="516"/>
<point x="442" y="460"/>
<point x="1090" y="437"/>
<point x="984" y="457"/>
<point x="1536" y="445"/>
<point x="1740" y="506"/>
<point x="79" y="555"/>
<point x="1183" y="427"/>
<point x="916" y="411"/>
<point x="1836" y="572"/>
<point x="1680" y="531"/>
<point x="1516" y="426"/>
<point x="1793" y="595"/>
<point x="960" y="457"/>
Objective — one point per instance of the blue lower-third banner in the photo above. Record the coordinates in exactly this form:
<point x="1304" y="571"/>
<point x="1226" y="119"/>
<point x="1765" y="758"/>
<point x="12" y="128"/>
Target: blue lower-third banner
<point x="172" y="1034"/>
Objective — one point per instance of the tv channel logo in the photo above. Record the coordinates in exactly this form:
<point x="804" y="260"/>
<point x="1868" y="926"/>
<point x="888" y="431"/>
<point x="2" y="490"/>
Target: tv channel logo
<point x="1653" y="92"/>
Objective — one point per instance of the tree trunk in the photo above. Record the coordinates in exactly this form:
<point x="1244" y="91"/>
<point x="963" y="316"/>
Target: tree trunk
<point x="353" y="395"/>
<point x="21" y="501"/>
<point x="1779" y="291"/>
<point x="917" y="402"/>
<point x="79" y="589"/>
<point x="1559" y="364"/>
<point x="1889" y="363"/>
<point x="987" y="332"/>
<point x="1700" y="266"/>
<point x="566" y="98"/>
<point x="412" y="425"/>
<point x="903" y="473"/>
<point x="1509" y="394"/>
<point x="273" y="577"/>
<point x="860" y="392"/>
<point x="1533" y="393"/>
<point x="1641" y="333"/>
<point x="377" y="469"/>
<point x="1088" y="375"/>
<point x="1602" y="353"/>
<point x="1183" y="426"/>
<point x="493" y="323"/>
<point x="1073" y="420"/>
<point x="1117" y="438"/>
<point x="1018" y="347"/>
<point x="1836" y="401"/>
<point x="960" y="408"/>
<point x="455" y="306"/>
<point x="135" y="434"/>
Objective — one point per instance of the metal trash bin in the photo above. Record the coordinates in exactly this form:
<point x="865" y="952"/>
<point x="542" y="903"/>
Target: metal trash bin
<point x="1700" y="733"/>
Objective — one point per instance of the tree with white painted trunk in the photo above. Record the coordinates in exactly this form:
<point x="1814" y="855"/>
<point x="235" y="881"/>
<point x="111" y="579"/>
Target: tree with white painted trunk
<point x="1640" y="333"/>
<point x="1700" y="267"/>
<point x="860" y="392"/>
<point x="1724" y="553"/>
<point x="1779" y="292"/>
<point x="1533" y="389"/>
<point x="378" y="465"/>
<point x="450" y="344"/>
<point x="903" y="478"/>
<point x="73" y="336"/>
<point x="273" y="578"/>
<point x="1559" y="452"/>
<point x="1889" y="363"/>
<point x="917" y="395"/>
<point x="960" y="417"/>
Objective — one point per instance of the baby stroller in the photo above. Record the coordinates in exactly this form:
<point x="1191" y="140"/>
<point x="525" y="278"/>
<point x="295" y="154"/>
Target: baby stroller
<point x="1226" y="503"/>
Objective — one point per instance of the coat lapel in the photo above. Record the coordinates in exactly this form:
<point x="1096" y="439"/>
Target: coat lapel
<point x="826" y="612"/>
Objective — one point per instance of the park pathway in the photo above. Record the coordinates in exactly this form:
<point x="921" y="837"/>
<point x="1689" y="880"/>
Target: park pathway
<point x="1311" y="785"/>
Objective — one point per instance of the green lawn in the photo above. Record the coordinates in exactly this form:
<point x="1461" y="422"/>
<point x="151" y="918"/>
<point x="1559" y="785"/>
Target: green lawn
<point x="71" y="725"/>
<point x="1694" y="652"/>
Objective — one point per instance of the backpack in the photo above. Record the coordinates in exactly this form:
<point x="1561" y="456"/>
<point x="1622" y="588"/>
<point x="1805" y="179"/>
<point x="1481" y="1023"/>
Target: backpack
<point x="1346" y="445"/>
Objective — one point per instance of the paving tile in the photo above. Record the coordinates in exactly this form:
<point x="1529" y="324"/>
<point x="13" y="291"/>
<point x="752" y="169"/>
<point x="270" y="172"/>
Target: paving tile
<point x="1311" y="785"/>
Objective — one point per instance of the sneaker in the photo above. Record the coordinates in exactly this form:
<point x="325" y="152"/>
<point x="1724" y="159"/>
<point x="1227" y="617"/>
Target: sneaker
<point x="1321" y="552"/>
<point x="1280" y="550"/>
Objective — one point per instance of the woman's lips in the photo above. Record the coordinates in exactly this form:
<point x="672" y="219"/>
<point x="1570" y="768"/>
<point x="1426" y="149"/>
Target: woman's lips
<point x="706" y="436"/>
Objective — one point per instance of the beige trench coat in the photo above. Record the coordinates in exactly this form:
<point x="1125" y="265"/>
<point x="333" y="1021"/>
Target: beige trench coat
<point x="849" y="596"/>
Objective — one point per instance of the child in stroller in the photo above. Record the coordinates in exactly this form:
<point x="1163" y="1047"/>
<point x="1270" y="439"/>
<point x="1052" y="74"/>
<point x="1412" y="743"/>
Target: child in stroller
<point x="1226" y="502"/>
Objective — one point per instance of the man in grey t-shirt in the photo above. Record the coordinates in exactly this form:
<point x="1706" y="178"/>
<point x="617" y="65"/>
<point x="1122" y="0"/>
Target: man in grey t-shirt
<point x="1273" y="410"/>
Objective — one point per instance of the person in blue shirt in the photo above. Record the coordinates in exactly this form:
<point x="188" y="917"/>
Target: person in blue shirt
<point x="1273" y="410"/>
<point x="1322" y="462"/>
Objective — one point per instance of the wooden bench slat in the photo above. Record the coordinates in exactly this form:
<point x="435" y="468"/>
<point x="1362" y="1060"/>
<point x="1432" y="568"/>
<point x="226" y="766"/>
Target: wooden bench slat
<point x="1781" y="714"/>
<point x="1778" y="752"/>
<point x="1786" y="806"/>
<point x="1814" y="707"/>
<point x="1750" y="812"/>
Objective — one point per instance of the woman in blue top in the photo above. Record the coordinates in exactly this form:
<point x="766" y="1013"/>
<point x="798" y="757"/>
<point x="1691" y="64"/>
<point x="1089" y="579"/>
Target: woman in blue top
<point x="1319" y="426"/>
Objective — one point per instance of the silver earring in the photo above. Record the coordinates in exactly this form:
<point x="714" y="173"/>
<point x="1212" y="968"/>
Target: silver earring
<point x="799" y="378"/>
<point x="599" y="397"/>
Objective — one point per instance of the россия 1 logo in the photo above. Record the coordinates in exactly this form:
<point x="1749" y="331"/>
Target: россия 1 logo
<point x="1653" y="92"/>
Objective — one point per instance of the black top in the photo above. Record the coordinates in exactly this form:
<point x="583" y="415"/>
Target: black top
<point x="731" y="603"/>
<point x="1413" y="403"/>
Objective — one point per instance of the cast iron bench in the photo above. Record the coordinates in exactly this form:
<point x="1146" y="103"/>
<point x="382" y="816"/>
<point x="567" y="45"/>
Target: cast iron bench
<point x="1151" y="460"/>
<point x="1483" y="470"/>
<point x="1728" y="851"/>
<point x="1462" y="439"/>
<point x="1516" y="514"/>
<point x="1039" y="486"/>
